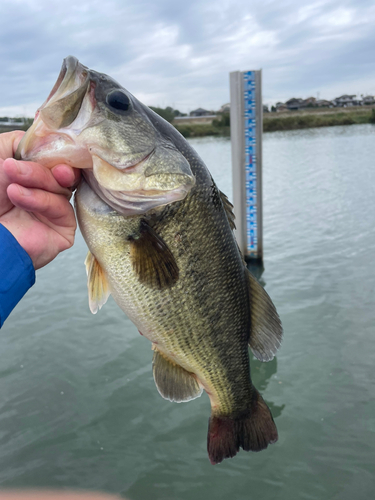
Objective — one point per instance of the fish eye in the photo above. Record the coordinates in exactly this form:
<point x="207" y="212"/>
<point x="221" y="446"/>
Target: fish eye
<point x="118" y="100"/>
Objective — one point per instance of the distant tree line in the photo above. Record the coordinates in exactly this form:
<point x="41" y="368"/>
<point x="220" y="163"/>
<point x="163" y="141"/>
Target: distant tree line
<point x="15" y="120"/>
<point x="8" y="123"/>
<point x="222" y="121"/>
<point x="167" y="113"/>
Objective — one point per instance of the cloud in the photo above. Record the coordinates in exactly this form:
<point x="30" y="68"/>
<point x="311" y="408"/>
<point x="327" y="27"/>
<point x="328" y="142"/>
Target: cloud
<point x="181" y="53"/>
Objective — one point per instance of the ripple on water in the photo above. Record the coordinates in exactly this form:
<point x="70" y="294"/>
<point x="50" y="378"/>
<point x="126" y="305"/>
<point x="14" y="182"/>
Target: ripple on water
<point x="79" y="408"/>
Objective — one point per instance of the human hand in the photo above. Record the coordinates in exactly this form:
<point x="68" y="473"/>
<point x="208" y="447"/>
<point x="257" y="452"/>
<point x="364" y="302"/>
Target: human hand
<point x="34" y="203"/>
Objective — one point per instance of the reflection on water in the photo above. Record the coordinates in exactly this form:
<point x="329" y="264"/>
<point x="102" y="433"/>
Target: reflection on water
<point x="256" y="267"/>
<point x="78" y="405"/>
<point x="261" y="374"/>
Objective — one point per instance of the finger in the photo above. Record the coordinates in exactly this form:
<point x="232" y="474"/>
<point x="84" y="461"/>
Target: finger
<point x="9" y="142"/>
<point x="66" y="176"/>
<point x="5" y="203"/>
<point x="33" y="175"/>
<point x="4" y="179"/>
<point x="17" y="136"/>
<point x="54" y="207"/>
<point x="8" y="145"/>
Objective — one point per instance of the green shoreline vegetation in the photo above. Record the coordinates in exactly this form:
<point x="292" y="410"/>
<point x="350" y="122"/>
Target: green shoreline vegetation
<point x="292" y="120"/>
<point x="219" y="126"/>
<point x="272" y="122"/>
<point x="325" y="118"/>
<point x="17" y="124"/>
<point x="289" y="120"/>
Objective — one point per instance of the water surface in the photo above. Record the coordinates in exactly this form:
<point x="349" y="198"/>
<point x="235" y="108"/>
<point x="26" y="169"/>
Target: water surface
<point x="78" y="405"/>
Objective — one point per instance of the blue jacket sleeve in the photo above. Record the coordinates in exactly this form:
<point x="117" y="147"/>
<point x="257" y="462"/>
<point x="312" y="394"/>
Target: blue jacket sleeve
<point x="17" y="273"/>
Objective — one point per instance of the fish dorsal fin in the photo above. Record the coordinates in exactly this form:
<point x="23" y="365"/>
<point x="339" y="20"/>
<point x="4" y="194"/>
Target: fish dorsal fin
<point x="97" y="283"/>
<point x="152" y="260"/>
<point x="228" y="209"/>
<point x="266" y="330"/>
<point x="172" y="381"/>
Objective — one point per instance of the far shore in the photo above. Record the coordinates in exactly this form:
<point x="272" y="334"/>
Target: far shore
<point x="324" y="117"/>
<point x="290" y="120"/>
<point x="272" y="122"/>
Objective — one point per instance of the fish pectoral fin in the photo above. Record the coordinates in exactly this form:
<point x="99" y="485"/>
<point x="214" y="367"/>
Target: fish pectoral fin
<point x="172" y="381"/>
<point x="152" y="260"/>
<point x="266" y="330"/>
<point x="97" y="283"/>
<point x="228" y="207"/>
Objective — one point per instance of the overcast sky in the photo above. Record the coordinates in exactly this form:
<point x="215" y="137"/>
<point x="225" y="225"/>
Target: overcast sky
<point x="179" y="52"/>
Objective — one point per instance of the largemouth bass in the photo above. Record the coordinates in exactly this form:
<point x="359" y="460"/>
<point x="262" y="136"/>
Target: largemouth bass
<point x="160" y="239"/>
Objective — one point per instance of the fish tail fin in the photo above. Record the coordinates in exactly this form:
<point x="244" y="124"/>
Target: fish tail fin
<point x="254" y="430"/>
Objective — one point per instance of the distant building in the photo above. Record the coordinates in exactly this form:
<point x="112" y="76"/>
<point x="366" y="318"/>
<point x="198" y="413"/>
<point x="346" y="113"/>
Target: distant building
<point x="265" y="108"/>
<point x="280" y="106"/>
<point x="368" y="99"/>
<point x="323" y="103"/>
<point x="201" y="112"/>
<point x="13" y="123"/>
<point x="346" y="100"/>
<point x="225" y="108"/>
<point x="294" y="103"/>
<point x="310" y="102"/>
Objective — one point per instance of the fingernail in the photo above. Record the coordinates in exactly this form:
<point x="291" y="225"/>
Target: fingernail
<point x="22" y="167"/>
<point x="24" y="191"/>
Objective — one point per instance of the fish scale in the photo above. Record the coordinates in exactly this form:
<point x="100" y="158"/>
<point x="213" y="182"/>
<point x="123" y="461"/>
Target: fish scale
<point x="160" y="239"/>
<point x="194" y="319"/>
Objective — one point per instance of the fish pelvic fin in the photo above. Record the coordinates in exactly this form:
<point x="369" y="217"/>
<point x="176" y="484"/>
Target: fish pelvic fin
<point x="266" y="329"/>
<point x="152" y="259"/>
<point x="252" y="431"/>
<point x="97" y="283"/>
<point x="172" y="381"/>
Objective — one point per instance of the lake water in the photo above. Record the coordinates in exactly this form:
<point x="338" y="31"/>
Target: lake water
<point x="78" y="405"/>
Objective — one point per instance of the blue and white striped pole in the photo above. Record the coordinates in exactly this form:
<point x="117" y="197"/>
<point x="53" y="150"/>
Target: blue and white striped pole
<point x="246" y="118"/>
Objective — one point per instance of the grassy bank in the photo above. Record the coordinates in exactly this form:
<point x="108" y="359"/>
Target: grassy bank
<point x="326" y="118"/>
<point x="291" y="120"/>
<point x="219" y="126"/>
<point x="201" y="130"/>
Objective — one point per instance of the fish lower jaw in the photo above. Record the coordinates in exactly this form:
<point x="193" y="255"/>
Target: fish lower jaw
<point x="51" y="148"/>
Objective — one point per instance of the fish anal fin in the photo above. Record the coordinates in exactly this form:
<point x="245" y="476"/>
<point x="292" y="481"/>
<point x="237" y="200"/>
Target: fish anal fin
<point x="172" y="381"/>
<point x="152" y="259"/>
<point x="97" y="283"/>
<point x="266" y="330"/>
<point x="228" y="209"/>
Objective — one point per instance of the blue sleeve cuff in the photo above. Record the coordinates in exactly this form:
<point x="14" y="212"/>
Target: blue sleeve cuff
<point x="17" y="273"/>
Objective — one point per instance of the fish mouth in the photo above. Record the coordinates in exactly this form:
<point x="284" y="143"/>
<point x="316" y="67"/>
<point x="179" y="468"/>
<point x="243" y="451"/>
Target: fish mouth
<point x="131" y="179"/>
<point x="133" y="165"/>
<point x="58" y="112"/>
<point x="65" y="100"/>
<point x="73" y="75"/>
<point x="68" y="69"/>
<point x="125" y="166"/>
